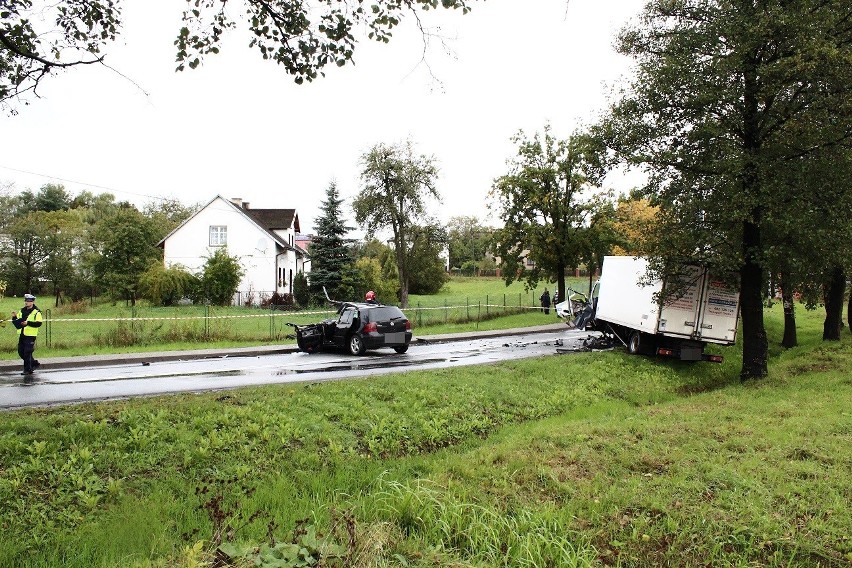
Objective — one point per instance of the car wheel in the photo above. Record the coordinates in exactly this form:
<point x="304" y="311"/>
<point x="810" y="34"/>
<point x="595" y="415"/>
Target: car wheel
<point x="401" y="348"/>
<point x="356" y="345"/>
<point x="634" y="344"/>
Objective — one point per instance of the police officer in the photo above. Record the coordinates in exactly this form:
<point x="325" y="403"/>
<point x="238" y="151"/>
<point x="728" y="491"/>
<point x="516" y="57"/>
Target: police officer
<point x="27" y="324"/>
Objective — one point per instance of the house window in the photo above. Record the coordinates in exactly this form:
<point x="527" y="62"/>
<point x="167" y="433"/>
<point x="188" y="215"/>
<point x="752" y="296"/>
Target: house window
<point x="218" y="235"/>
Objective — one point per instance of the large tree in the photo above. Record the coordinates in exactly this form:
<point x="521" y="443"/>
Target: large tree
<point x="725" y="94"/>
<point x="425" y="259"/>
<point x="332" y="260"/>
<point x="168" y="213"/>
<point x="543" y="205"/>
<point x="64" y="239"/>
<point x="376" y="270"/>
<point x="39" y="38"/>
<point x="804" y="254"/>
<point x="601" y="236"/>
<point x="41" y="246"/>
<point x="635" y="221"/>
<point x="396" y="185"/>
<point x="467" y="241"/>
<point x="25" y="248"/>
<point x="126" y="244"/>
<point x="52" y="197"/>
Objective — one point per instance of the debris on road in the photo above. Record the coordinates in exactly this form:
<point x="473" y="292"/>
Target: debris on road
<point x="589" y="343"/>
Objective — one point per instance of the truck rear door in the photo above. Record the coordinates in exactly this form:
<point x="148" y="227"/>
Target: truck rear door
<point x="719" y="312"/>
<point x="679" y="314"/>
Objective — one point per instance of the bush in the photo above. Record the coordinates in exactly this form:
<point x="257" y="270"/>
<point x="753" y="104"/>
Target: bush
<point x="74" y="308"/>
<point x="166" y="286"/>
<point x="469" y="268"/>
<point x="220" y="278"/>
<point x="371" y="277"/>
<point x="301" y="291"/>
<point x="279" y="302"/>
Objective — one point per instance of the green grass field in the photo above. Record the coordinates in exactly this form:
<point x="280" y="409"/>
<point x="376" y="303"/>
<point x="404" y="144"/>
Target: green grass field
<point x="591" y="459"/>
<point x="91" y="328"/>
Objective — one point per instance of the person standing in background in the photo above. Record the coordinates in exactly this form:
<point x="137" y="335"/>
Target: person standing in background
<point x="545" y="301"/>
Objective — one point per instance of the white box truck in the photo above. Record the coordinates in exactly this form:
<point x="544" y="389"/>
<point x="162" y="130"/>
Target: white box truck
<point x="705" y="310"/>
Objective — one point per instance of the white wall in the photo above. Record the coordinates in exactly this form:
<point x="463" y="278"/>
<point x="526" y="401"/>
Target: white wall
<point x="190" y="246"/>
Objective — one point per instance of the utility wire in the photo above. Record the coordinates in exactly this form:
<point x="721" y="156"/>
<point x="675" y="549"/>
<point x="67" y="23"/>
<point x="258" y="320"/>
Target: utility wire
<point x="91" y="185"/>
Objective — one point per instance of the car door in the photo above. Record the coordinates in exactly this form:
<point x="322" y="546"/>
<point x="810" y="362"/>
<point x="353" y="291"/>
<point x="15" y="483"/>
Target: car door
<point x="344" y="324"/>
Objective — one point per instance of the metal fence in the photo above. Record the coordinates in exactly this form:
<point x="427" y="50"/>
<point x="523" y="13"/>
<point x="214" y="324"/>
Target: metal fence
<point x="153" y="326"/>
<point x="477" y="310"/>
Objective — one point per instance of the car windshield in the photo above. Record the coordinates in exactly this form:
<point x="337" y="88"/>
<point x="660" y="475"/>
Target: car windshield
<point x="384" y="313"/>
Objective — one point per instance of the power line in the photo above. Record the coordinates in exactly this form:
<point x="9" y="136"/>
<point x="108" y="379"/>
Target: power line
<point x="92" y="185"/>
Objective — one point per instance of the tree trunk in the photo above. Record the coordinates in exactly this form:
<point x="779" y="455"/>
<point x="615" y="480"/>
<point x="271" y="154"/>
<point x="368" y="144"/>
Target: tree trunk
<point x="790" y="339"/>
<point x="402" y="267"/>
<point x="560" y="283"/>
<point x="835" y="290"/>
<point x="403" y="286"/>
<point x="755" y="344"/>
<point x="403" y="289"/>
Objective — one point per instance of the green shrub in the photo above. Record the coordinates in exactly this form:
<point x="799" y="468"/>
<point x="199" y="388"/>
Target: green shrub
<point x="301" y="292"/>
<point x="166" y="286"/>
<point x="220" y="278"/>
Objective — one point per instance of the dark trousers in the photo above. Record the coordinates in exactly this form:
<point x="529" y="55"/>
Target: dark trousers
<point x="26" y="348"/>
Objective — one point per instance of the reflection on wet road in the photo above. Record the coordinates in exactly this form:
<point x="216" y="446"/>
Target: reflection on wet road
<point x="121" y="381"/>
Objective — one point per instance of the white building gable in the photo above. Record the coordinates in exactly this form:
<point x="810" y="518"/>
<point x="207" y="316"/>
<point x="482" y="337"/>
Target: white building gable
<point x="263" y="240"/>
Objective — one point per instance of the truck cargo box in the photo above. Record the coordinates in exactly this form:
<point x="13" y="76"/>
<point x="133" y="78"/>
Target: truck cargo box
<point x="704" y="310"/>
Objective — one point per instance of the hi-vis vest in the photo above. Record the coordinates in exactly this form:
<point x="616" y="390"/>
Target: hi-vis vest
<point x="31" y="330"/>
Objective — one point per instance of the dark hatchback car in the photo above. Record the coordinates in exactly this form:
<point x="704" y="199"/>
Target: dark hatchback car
<point x="356" y="328"/>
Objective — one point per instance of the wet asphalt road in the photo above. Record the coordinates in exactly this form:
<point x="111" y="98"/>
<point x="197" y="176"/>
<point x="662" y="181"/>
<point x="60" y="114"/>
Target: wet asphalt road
<point x="146" y="378"/>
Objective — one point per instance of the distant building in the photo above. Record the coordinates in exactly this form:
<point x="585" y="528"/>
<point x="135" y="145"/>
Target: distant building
<point x="304" y="243"/>
<point x="264" y="241"/>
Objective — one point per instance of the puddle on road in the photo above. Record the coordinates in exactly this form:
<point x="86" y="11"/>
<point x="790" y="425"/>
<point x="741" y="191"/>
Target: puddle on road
<point x="341" y="366"/>
<point x="358" y="366"/>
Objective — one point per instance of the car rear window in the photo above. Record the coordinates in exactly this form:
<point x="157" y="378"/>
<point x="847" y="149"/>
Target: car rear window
<point x="384" y="313"/>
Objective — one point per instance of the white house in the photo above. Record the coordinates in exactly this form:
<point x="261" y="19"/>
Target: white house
<point x="264" y="241"/>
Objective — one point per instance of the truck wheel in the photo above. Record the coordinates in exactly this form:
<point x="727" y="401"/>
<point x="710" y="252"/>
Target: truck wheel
<point x="401" y="348"/>
<point x="634" y="344"/>
<point x="356" y="345"/>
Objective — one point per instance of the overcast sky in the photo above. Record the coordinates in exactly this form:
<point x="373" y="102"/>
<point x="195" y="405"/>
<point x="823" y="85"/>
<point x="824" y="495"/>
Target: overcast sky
<point x="239" y="127"/>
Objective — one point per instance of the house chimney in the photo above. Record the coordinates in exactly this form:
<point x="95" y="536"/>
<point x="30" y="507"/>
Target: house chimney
<point x="237" y="201"/>
<point x="245" y="204"/>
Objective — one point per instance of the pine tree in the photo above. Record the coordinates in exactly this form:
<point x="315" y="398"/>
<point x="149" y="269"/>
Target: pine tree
<point x="332" y="261"/>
